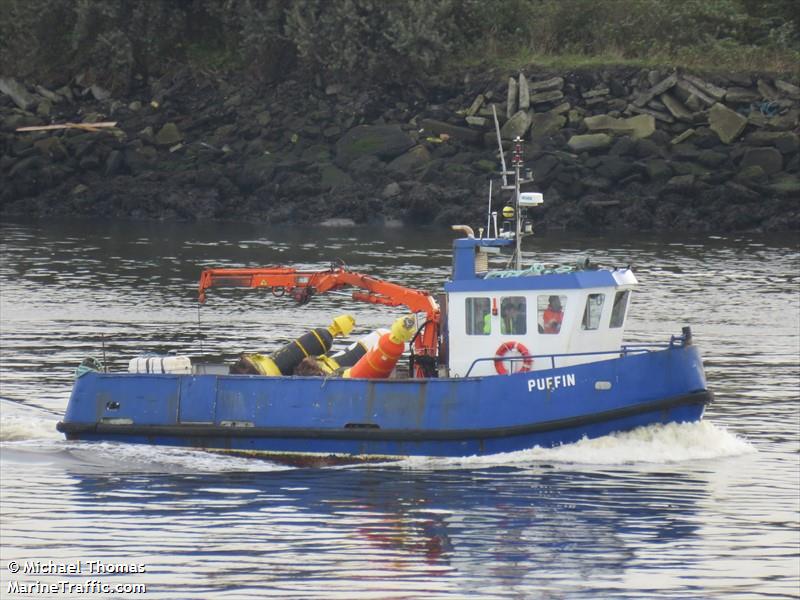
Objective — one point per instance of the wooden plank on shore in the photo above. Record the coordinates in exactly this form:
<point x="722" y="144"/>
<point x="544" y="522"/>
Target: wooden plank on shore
<point x="83" y="126"/>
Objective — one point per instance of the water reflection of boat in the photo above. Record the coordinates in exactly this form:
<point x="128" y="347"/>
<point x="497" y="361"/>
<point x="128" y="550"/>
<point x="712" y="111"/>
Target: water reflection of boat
<point x="502" y="360"/>
<point x="499" y="529"/>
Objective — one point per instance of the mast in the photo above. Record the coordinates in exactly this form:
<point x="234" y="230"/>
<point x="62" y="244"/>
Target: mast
<point x="516" y="162"/>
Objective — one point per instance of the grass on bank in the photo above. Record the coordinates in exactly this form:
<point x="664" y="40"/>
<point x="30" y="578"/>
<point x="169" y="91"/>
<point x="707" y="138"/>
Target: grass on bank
<point x="718" y="59"/>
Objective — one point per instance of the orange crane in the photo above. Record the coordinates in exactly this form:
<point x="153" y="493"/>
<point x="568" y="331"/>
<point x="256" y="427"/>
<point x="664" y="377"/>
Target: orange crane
<point x="303" y="285"/>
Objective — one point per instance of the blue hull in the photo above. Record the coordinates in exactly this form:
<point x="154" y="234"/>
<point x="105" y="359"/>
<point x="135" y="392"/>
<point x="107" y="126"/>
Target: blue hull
<point x="432" y="417"/>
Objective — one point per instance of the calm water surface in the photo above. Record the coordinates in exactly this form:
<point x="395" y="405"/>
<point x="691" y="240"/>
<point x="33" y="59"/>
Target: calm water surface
<point x="705" y="510"/>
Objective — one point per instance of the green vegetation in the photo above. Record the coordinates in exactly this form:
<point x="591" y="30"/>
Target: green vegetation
<point x="120" y="43"/>
<point x="704" y="34"/>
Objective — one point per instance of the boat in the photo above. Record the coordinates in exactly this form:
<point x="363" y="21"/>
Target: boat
<point x="502" y="360"/>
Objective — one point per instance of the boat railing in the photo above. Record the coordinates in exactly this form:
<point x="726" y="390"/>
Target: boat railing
<point x="623" y="351"/>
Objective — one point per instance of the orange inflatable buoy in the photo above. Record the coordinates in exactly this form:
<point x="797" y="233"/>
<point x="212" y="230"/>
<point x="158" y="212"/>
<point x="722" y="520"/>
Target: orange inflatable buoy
<point x="379" y="362"/>
<point x="507" y="347"/>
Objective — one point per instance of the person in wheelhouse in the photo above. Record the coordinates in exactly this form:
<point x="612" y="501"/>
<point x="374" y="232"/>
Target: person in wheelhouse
<point x="553" y="315"/>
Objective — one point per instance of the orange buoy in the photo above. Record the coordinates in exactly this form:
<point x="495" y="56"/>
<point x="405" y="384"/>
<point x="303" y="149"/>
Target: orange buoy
<point x="527" y="362"/>
<point x="379" y="362"/>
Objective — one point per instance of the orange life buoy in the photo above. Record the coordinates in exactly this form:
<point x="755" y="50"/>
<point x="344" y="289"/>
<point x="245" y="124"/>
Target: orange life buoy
<point x="504" y="349"/>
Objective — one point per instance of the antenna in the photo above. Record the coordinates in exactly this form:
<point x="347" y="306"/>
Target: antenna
<point x="500" y="145"/>
<point x="516" y="162"/>
<point x="489" y="212"/>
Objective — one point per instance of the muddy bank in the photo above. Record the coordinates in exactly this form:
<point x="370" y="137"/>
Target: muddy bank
<point x="622" y="148"/>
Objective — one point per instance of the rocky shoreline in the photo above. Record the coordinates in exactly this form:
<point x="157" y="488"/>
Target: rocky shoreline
<point x="612" y="149"/>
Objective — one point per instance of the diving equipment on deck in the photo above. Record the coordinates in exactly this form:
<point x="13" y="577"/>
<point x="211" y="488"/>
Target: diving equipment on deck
<point x="380" y="361"/>
<point x="284" y="361"/>
<point x="333" y="361"/>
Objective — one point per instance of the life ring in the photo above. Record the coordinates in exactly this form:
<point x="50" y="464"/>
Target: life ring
<point x="504" y="349"/>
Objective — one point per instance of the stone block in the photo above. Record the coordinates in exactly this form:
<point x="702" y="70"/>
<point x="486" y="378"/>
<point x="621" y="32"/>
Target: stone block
<point x="640" y="126"/>
<point x="524" y="93"/>
<point x="543" y="97"/>
<point x="512" y="97"/>
<point x="589" y="142"/>
<point x="555" y="83"/>
<point x="726" y="123"/>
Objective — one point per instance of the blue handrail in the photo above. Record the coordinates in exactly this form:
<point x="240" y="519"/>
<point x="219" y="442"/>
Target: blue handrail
<point x="623" y="351"/>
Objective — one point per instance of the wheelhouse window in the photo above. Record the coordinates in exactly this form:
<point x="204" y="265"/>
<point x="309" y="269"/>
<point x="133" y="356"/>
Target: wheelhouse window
<point x="593" y="311"/>
<point x="513" y="315"/>
<point x="619" y="308"/>
<point x="479" y="316"/>
<point x="551" y="313"/>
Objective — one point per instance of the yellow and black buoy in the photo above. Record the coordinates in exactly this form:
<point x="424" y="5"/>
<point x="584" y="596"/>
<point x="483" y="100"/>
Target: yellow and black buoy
<point x="508" y="212"/>
<point x="314" y="343"/>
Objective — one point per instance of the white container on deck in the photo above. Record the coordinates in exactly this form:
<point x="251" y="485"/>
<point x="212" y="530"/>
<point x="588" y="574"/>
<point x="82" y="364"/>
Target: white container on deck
<point x="177" y="365"/>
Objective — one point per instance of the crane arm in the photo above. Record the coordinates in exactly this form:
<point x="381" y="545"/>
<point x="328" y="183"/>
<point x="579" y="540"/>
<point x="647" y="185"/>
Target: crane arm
<point x="302" y="285"/>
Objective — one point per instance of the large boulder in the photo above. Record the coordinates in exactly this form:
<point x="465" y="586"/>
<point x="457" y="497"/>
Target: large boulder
<point x="516" y="126"/>
<point x="726" y="123"/>
<point x="711" y="158"/>
<point x="331" y="177"/>
<point x="381" y="141"/>
<point x="786" y="185"/>
<point x="412" y="160"/>
<point x="545" y="124"/>
<point x="168" y="135"/>
<point x="769" y="159"/>
<point x="614" y="167"/>
<point x="785" y="141"/>
<point x="17" y="92"/>
<point x="658" y="169"/>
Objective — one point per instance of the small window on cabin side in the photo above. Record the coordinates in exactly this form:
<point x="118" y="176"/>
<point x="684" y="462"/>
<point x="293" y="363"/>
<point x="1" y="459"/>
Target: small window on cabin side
<point x="479" y="316"/>
<point x="513" y="315"/>
<point x="620" y="306"/>
<point x="551" y="313"/>
<point x="592" y="312"/>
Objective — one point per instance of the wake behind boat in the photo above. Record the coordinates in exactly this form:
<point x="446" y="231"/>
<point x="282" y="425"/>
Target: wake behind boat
<point x="502" y="360"/>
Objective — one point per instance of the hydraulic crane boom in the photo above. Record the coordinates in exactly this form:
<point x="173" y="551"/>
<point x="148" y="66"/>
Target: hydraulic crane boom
<point x="302" y="285"/>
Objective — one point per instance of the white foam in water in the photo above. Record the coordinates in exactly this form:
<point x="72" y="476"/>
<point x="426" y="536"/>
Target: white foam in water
<point x="19" y="425"/>
<point x="141" y="458"/>
<point x="675" y="442"/>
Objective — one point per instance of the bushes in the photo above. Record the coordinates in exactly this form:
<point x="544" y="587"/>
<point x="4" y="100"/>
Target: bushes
<point x="369" y="40"/>
<point x="375" y="39"/>
<point x="114" y="40"/>
<point x="638" y="29"/>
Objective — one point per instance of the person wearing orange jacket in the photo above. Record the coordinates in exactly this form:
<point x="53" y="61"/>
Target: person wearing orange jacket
<point x="553" y="315"/>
